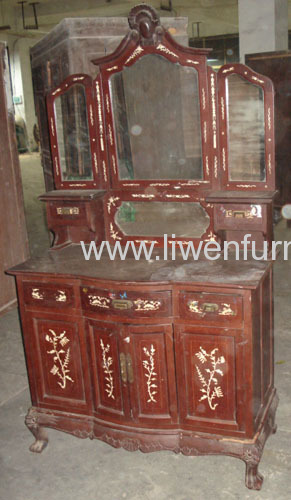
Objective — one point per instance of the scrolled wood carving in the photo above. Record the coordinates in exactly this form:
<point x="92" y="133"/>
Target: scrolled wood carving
<point x="145" y="23"/>
<point x="133" y="444"/>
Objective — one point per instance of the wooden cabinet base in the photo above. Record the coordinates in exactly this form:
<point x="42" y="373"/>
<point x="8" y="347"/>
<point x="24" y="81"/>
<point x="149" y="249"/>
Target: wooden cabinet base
<point x="150" y="364"/>
<point x="176" y="440"/>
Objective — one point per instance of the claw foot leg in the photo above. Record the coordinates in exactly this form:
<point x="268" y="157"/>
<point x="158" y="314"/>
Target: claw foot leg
<point x="41" y="439"/>
<point x="254" y="479"/>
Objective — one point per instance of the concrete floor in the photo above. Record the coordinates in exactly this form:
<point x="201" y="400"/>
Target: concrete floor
<point x="71" y="468"/>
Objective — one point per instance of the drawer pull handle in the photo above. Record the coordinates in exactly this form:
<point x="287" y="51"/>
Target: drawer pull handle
<point x="123" y="369"/>
<point x="68" y="211"/>
<point x="239" y="214"/>
<point x="254" y="213"/>
<point x="122" y="304"/>
<point x="209" y="307"/>
<point x="129" y="369"/>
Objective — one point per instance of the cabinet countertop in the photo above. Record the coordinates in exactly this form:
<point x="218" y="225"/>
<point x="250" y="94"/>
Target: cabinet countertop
<point x="70" y="262"/>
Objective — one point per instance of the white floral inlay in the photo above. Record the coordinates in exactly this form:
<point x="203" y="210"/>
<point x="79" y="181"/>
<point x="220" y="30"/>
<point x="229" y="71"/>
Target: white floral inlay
<point x="107" y="363"/>
<point x="147" y="305"/>
<point x="61" y="296"/>
<point x="61" y="357"/>
<point x="151" y="375"/>
<point x="37" y="294"/>
<point x="209" y="381"/>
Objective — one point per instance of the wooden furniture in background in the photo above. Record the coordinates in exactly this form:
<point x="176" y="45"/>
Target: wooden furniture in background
<point x="14" y="243"/>
<point x="277" y="66"/>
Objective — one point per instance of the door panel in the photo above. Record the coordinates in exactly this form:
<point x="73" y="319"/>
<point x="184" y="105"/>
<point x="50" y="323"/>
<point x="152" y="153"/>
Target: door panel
<point x="151" y="374"/>
<point x="108" y="369"/>
<point x="58" y="363"/>
<point x="209" y="371"/>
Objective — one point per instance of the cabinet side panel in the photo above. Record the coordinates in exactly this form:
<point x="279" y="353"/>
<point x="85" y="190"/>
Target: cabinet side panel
<point x="267" y="333"/>
<point x="257" y="353"/>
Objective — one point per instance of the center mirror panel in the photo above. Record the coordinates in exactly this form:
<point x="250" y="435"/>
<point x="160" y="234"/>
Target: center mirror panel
<point x="156" y="116"/>
<point x="72" y="128"/>
<point x="185" y="220"/>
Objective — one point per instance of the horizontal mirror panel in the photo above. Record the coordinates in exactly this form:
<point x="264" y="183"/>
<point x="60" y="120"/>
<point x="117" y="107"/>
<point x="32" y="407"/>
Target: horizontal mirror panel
<point x="73" y="134"/>
<point x="246" y="130"/>
<point x="155" y="218"/>
<point x="157" y="120"/>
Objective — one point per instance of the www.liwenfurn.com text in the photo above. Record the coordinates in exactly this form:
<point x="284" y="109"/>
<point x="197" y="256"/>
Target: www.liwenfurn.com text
<point x="210" y="250"/>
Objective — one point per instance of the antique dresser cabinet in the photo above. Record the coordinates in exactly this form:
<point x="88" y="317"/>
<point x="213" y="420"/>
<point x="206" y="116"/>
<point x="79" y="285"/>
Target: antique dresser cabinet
<point x="161" y="353"/>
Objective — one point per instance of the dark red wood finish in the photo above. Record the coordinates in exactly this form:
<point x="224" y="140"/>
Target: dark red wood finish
<point x="69" y="82"/>
<point x="154" y="355"/>
<point x="238" y="213"/>
<point x="151" y="365"/>
<point x="114" y="199"/>
<point x="214" y="137"/>
<point x="268" y="89"/>
<point x="130" y="55"/>
<point x="214" y="159"/>
<point x="74" y="216"/>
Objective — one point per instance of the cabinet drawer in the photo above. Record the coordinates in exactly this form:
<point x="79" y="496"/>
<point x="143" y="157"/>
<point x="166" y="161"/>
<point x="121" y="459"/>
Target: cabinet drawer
<point x="126" y="304"/>
<point x="64" y="213"/>
<point x="211" y="308"/>
<point x="42" y="295"/>
<point x="242" y="216"/>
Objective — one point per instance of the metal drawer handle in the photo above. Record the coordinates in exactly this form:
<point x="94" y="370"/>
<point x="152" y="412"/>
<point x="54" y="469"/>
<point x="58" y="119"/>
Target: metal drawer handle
<point x="254" y="213"/>
<point x="68" y="210"/>
<point x="209" y="307"/>
<point x="240" y="213"/>
<point x="129" y="369"/>
<point x="122" y="304"/>
<point x="123" y="370"/>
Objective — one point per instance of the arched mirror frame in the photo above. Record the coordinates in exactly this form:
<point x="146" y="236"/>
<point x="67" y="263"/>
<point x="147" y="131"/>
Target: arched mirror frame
<point x="144" y="39"/>
<point x="266" y="85"/>
<point x="97" y="180"/>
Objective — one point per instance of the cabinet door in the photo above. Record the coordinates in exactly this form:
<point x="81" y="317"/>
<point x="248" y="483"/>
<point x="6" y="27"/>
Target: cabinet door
<point x="57" y="362"/>
<point x="210" y="373"/>
<point x="151" y="374"/>
<point x="108" y="369"/>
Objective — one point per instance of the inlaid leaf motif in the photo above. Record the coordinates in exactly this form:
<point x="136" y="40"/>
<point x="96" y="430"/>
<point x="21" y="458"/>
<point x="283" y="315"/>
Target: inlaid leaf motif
<point x="209" y="383"/>
<point x="61" y="363"/>
<point x="150" y="374"/>
<point x="107" y="363"/>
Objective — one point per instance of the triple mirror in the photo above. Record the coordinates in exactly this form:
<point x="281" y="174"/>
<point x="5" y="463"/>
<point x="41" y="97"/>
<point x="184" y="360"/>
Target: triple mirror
<point x="158" y="130"/>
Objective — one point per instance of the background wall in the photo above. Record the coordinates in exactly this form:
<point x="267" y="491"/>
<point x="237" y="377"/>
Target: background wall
<point x="217" y="17"/>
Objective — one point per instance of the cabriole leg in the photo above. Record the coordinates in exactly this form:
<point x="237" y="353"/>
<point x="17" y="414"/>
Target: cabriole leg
<point x="41" y="439"/>
<point x="254" y="479"/>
